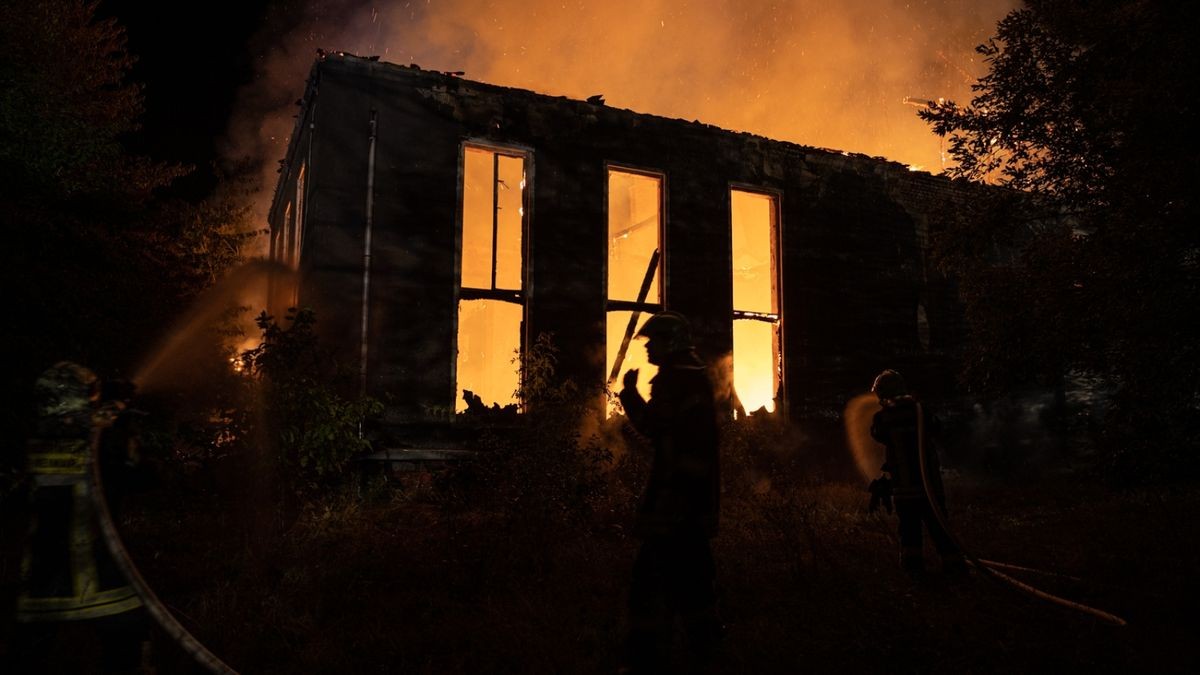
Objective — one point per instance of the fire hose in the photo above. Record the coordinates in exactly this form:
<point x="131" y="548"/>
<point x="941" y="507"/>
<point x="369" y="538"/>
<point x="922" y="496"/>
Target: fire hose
<point x="992" y="568"/>
<point x="150" y="601"/>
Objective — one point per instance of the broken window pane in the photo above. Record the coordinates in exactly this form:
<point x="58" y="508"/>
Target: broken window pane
<point x="753" y="252"/>
<point x="289" y="221"/>
<point x="756" y="350"/>
<point x="492" y="307"/>
<point x="510" y="212"/>
<point x="300" y="179"/>
<point x="634" y="270"/>
<point x="756" y="363"/>
<point x="478" y="191"/>
<point x="489" y="339"/>
<point x="493" y="219"/>
<point x="634" y="213"/>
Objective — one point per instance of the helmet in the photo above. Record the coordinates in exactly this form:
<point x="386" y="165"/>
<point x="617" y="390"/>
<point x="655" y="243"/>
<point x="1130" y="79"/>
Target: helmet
<point x="889" y="385"/>
<point x="670" y="329"/>
<point x="65" y="390"/>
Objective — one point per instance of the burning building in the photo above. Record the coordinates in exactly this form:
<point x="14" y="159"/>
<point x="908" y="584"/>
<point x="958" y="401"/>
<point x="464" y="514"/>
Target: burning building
<point x="440" y="225"/>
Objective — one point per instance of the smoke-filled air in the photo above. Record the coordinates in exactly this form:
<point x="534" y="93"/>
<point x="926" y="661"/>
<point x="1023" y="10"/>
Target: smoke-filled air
<point x="826" y="74"/>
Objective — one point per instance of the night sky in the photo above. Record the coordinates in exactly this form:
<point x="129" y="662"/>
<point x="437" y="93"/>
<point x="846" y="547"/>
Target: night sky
<point x="192" y="60"/>
<point x="221" y="83"/>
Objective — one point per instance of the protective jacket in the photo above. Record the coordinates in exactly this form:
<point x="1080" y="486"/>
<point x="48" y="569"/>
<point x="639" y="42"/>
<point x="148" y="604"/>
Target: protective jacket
<point x="67" y="571"/>
<point x="896" y="428"/>
<point x="683" y="493"/>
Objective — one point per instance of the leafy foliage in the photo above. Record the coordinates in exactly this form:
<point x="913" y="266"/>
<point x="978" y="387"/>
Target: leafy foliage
<point x="66" y="103"/>
<point x="542" y="471"/>
<point x="1087" y="265"/>
<point x="314" y="429"/>
<point x="99" y="259"/>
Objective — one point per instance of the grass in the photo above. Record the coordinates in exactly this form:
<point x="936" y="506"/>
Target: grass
<point x="411" y="578"/>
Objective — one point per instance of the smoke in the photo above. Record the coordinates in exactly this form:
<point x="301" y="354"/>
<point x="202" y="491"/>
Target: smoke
<point x="826" y="74"/>
<point x="219" y="320"/>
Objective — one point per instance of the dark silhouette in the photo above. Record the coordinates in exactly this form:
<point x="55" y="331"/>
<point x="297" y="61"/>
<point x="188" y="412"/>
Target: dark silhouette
<point x="896" y="428"/>
<point x="674" y="572"/>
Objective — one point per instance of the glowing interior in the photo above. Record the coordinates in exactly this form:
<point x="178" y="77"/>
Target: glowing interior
<point x="493" y="204"/>
<point x="493" y="223"/>
<point x="489" y="339"/>
<point x="634" y="204"/>
<point x="634" y="227"/>
<point x="756" y="360"/>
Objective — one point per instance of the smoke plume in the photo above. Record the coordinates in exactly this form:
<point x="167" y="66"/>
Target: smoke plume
<point x="826" y="74"/>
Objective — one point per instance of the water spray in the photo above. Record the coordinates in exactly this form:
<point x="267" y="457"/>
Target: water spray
<point x="856" y="418"/>
<point x="241" y="288"/>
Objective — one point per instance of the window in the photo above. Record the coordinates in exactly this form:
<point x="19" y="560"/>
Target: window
<point x="491" y="304"/>
<point x="634" y="270"/>
<point x="275" y="247"/>
<point x="289" y="234"/>
<point x="757" y="362"/>
<point x="300" y="180"/>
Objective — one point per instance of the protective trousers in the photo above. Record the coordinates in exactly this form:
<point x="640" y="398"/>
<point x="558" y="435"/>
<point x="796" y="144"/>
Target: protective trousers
<point x="673" y="575"/>
<point x="913" y="513"/>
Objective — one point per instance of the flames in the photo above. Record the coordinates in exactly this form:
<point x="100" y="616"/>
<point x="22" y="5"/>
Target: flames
<point x="239" y="348"/>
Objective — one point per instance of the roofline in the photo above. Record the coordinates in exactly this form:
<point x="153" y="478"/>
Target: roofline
<point x="455" y="79"/>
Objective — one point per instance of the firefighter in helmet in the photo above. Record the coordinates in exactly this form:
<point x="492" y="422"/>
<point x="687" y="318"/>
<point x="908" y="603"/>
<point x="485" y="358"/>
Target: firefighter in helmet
<point x="895" y="426"/>
<point x="67" y="573"/>
<point x="674" y="571"/>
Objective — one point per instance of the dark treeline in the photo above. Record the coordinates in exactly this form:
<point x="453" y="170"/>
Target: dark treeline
<point x="100" y="257"/>
<point x="1086" y="106"/>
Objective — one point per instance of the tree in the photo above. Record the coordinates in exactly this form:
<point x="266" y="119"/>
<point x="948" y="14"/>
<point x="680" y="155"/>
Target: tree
<point x="96" y="260"/>
<point x="65" y="104"/>
<point x="1087" y="115"/>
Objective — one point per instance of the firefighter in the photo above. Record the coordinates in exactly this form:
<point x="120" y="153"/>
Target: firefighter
<point x="67" y="573"/>
<point x="895" y="426"/>
<point x="674" y="573"/>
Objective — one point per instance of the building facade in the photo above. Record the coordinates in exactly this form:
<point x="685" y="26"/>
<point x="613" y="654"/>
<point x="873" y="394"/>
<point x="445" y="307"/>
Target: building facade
<point x="440" y="226"/>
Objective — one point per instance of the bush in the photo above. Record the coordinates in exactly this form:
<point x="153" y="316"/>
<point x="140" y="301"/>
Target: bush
<point x="542" y="470"/>
<point x="313" y="429"/>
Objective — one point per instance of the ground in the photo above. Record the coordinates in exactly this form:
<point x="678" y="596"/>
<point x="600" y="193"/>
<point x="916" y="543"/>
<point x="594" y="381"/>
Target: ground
<point x="407" y="578"/>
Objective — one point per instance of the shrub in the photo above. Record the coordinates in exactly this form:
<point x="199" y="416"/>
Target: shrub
<point x="541" y="470"/>
<point x="313" y="429"/>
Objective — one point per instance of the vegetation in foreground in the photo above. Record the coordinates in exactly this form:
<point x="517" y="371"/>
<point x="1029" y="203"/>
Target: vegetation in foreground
<point x="416" y="576"/>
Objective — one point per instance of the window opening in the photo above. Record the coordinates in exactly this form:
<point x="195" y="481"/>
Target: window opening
<point x="757" y="360"/>
<point x="300" y="181"/>
<point x="289" y="225"/>
<point x="634" y="271"/>
<point x="491" y="305"/>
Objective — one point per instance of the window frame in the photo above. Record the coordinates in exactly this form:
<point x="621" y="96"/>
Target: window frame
<point x="301" y="202"/>
<point x="519" y="297"/>
<point x="611" y="305"/>
<point x="631" y="305"/>
<point x="776" y="318"/>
